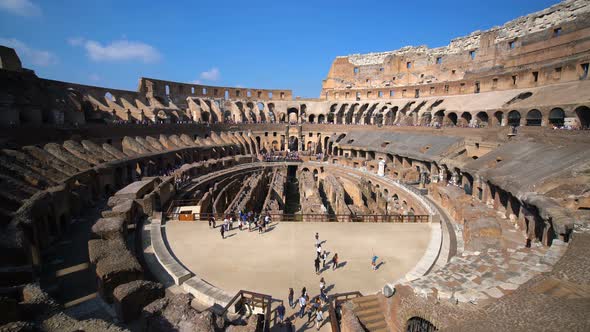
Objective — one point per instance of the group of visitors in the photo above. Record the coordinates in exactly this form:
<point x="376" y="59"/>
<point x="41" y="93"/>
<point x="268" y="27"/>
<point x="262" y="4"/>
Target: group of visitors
<point x="250" y="221"/>
<point x="313" y="306"/>
<point x="322" y="256"/>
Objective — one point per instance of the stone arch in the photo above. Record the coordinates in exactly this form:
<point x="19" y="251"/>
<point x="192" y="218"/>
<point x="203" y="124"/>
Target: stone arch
<point x="514" y="118"/>
<point x="583" y="113"/>
<point x="452" y="118"/>
<point x="271" y="112"/>
<point x="311" y="118"/>
<point x="293" y="114"/>
<point x="390" y="115"/>
<point x="330" y="117"/>
<point x="439" y="116"/>
<point x="482" y="118"/>
<point x="321" y="118"/>
<point x="498" y="117"/>
<point x="349" y="115"/>
<point x="466" y="118"/>
<point x="557" y="117"/>
<point x="534" y="118"/>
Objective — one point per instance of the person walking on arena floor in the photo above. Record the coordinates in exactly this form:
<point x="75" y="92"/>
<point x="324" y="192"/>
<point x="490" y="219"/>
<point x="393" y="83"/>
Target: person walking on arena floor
<point x="222" y="231"/>
<point x="335" y="261"/>
<point x="324" y="257"/>
<point x="317" y="239"/>
<point x="281" y="312"/>
<point x="319" y="318"/>
<point x="374" y="262"/>
<point x="317" y="265"/>
<point x="291" y="295"/>
<point x="302" y="304"/>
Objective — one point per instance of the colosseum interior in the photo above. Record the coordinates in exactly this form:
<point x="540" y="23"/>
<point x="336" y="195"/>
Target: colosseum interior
<point x="464" y="168"/>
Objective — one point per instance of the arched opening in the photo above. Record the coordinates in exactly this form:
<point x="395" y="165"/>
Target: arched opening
<point x="452" y="118"/>
<point x="390" y="116"/>
<point x="271" y="112"/>
<point x="499" y="116"/>
<point x="418" y="324"/>
<point x="311" y="118"/>
<point x="482" y="119"/>
<point x="514" y="118"/>
<point x="321" y="118"/>
<point x="534" y="118"/>
<point x="557" y="117"/>
<point x="439" y="116"/>
<point x="205" y="116"/>
<point x="465" y="118"/>
<point x="293" y="143"/>
<point x="583" y="113"/>
<point x="330" y="117"/>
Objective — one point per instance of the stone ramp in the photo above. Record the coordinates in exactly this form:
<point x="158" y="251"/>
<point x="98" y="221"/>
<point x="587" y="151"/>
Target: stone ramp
<point x="369" y="312"/>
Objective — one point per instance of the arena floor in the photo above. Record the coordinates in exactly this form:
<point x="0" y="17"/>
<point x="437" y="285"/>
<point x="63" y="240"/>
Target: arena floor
<point x="283" y="257"/>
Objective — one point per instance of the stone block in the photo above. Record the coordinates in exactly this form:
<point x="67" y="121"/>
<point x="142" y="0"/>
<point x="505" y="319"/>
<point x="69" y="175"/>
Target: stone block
<point x="99" y="248"/>
<point x="114" y="270"/>
<point x="130" y="298"/>
<point x="109" y="228"/>
<point x="174" y="313"/>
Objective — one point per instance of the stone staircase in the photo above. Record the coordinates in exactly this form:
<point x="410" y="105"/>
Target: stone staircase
<point x="369" y="312"/>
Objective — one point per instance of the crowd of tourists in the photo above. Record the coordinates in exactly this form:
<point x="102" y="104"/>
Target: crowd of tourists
<point x="250" y="221"/>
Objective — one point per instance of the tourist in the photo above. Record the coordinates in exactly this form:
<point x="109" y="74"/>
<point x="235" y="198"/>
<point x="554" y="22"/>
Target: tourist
<point x="322" y="284"/>
<point x="335" y="261"/>
<point x="302" y="304"/>
<point x="212" y="222"/>
<point x="222" y="232"/>
<point x="313" y="306"/>
<point x="291" y="295"/>
<point x="304" y="291"/>
<point x="319" y="250"/>
<point x="225" y="223"/>
<point x="324" y="257"/>
<point x="281" y="312"/>
<point x="317" y="239"/>
<point x="374" y="262"/>
<point x="323" y="296"/>
<point x="317" y="265"/>
<point x="319" y="318"/>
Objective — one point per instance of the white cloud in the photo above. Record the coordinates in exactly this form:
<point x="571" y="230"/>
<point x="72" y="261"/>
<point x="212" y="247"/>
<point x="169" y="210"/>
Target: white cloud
<point x="29" y="54"/>
<point x="20" y="7"/>
<point x="212" y="74"/>
<point x="94" y="77"/>
<point x="196" y="82"/>
<point x="118" y="50"/>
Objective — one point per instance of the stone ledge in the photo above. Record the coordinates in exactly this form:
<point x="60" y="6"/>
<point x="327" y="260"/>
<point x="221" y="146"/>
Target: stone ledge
<point x="166" y="260"/>
<point x="206" y="293"/>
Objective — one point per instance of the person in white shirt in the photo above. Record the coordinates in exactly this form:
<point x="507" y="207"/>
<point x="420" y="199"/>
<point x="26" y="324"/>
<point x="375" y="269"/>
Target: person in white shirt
<point x="302" y="304"/>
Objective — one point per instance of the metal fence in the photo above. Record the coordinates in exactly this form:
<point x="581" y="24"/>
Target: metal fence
<point x="386" y="218"/>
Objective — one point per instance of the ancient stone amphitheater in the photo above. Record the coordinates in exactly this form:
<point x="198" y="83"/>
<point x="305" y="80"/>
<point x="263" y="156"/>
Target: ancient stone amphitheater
<point x="465" y="167"/>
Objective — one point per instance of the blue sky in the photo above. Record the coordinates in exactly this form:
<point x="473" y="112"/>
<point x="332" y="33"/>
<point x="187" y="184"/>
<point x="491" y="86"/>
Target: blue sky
<point x="258" y="44"/>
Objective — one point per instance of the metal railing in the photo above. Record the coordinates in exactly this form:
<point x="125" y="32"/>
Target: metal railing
<point x="309" y="217"/>
<point x="245" y="298"/>
<point x="336" y="301"/>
